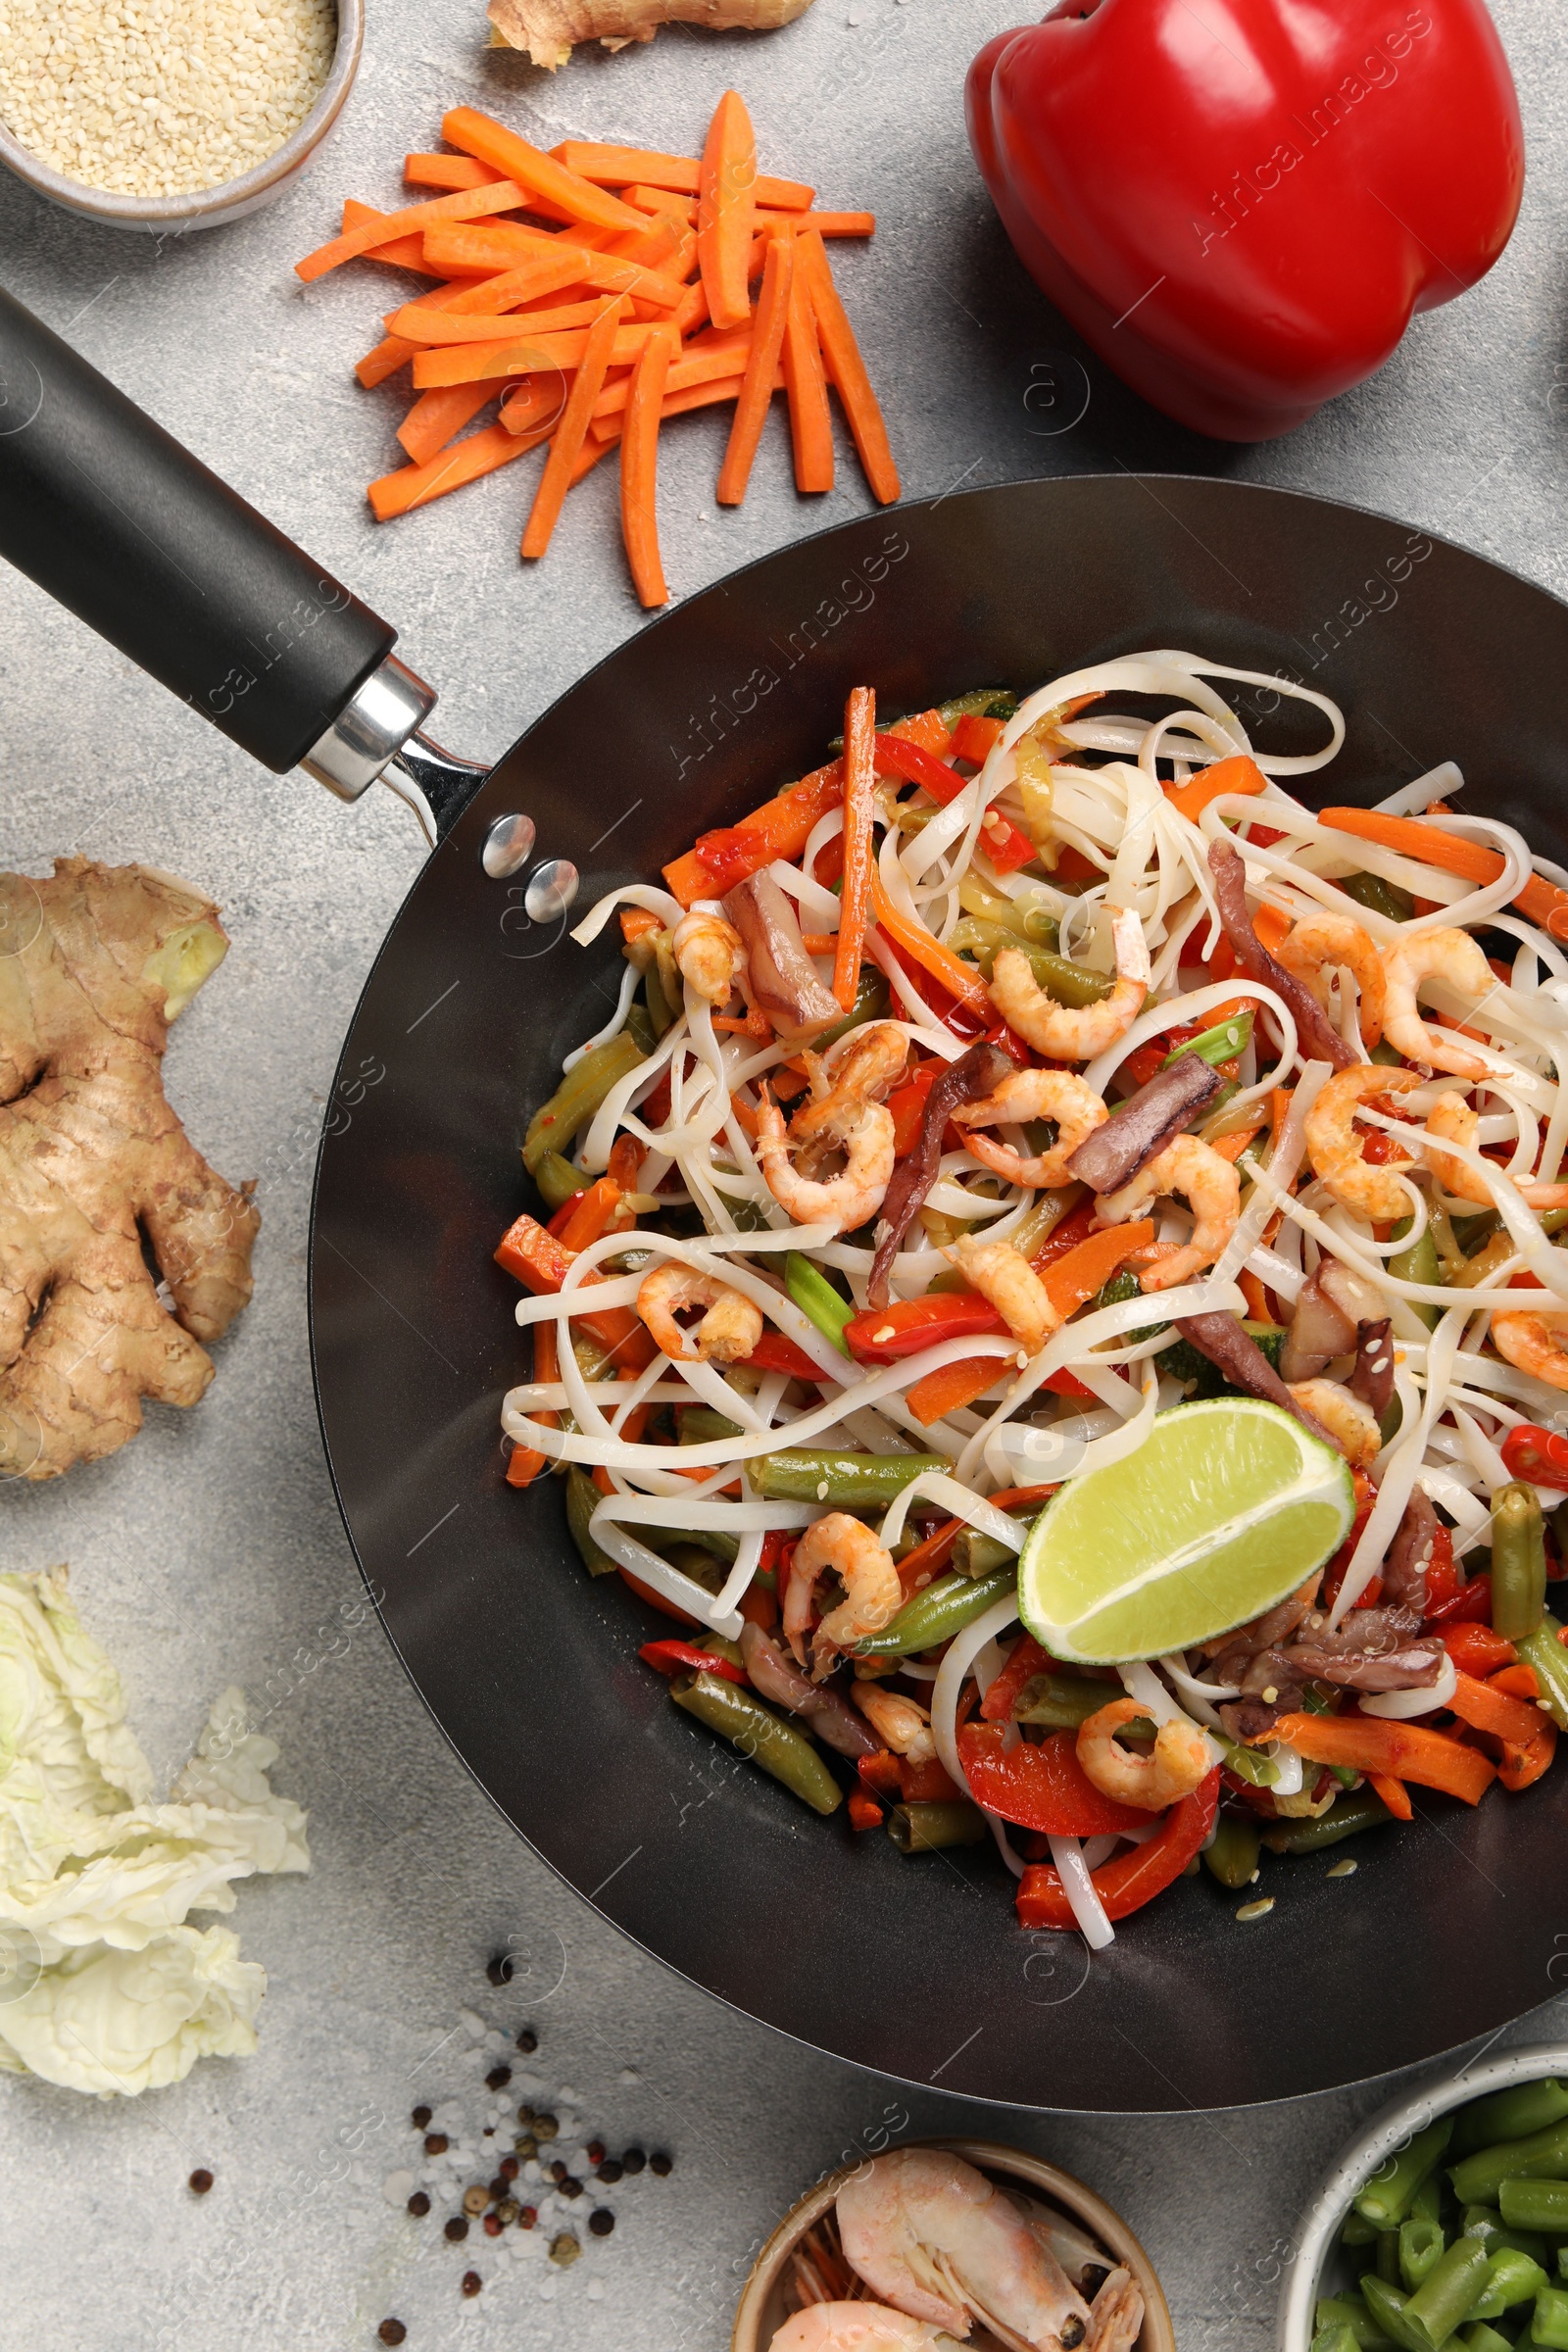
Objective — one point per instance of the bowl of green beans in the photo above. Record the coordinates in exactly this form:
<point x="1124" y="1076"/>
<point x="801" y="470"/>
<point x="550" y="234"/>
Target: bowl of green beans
<point x="1444" y="2227"/>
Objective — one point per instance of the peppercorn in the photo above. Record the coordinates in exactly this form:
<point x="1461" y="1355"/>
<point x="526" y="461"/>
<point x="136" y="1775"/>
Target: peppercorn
<point x="501" y="1969"/>
<point x="508" y="2168"/>
<point x="557" y="2170"/>
<point x="660" y="2164"/>
<point x="564" y="2249"/>
<point x="527" y="2042"/>
<point x="471" y="2282"/>
<point x="526" y="2146"/>
<point x="457" y="2229"/>
<point x="569" y="2186"/>
<point x="392" y="2331"/>
<point x="492" y="2227"/>
<point x="596" y="2151"/>
<point x="528" y="2215"/>
<point x="633" y="2161"/>
<point x="435" y="2143"/>
<point x="525" y="2113"/>
<point x="611" y="2170"/>
<point x="420" y="2119"/>
<point x="508" y="2211"/>
<point x="601" y="2222"/>
<point x="498" y="2077"/>
<point x="419" y="2204"/>
<point x="545" y="2127"/>
<point x="201" y="2181"/>
<point x="474" y="2200"/>
<point x="498" y="2188"/>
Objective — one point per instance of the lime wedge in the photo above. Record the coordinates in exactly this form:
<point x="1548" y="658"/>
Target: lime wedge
<point x="1226" y="1507"/>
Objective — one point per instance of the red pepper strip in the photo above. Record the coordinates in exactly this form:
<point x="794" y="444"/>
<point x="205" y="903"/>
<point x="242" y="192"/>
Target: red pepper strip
<point x="1476" y="1649"/>
<point x="673" y="1657"/>
<point x="538" y="1259"/>
<point x="1040" y="1784"/>
<point x="1075" y="1227"/>
<point x="1004" y="843"/>
<point x="927" y="1784"/>
<point x="1367" y="1495"/>
<point x="881" y="1772"/>
<point x="1127" y="1881"/>
<point x="905" y="1326"/>
<point x="974" y="739"/>
<point x="1538" y="1454"/>
<point x="1471" y="1604"/>
<point x="773" y="1352"/>
<point x="908" y="1106"/>
<point x="864" y="1811"/>
<point x="1027" y="1660"/>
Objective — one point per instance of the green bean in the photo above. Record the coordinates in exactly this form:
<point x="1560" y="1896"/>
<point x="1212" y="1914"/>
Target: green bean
<point x="1389" y="2194"/>
<point x="1232" y="1856"/>
<point x="1544" y="1651"/>
<point x="1338" y="2337"/>
<point x="935" y="1615"/>
<point x="1386" y="2258"/>
<point x="975" y="1554"/>
<point x="1350" y="2311"/>
<point x="662" y="1013"/>
<point x="1382" y="898"/>
<point x="1417" y="1264"/>
<point x="1481" y="1268"/>
<point x="922" y="1829"/>
<point x="692" y="1559"/>
<point x="815" y="1295"/>
<point x="715" y="1540"/>
<point x="1511" y="2278"/>
<point x="1249" y="1764"/>
<point x="848" y="1482"/>
<point x="1540" y="2155"/>
<point x="870" y="1005"/>
<point x="1550" y="2323"/>
<point x="700" y="1425"/>
<point x="558" y="1181"/>
<point x="1533" y="2203"/>
<point x="1481" y="2339"/>
<point x="1387" y="2304"/>
<point x="556" y="1124"/>
<point x="1518" y="1562"/>
<point x="985" y="702"/>
<point x="759" y="1735"/>
<point x="1427" y="2203"/>
<point x="1485" y="2223"/>
<point x="981" y="938"/>
<point x="582" y="1501"/>
<point x="1068" y="983"/>
<point x="1226" y="1043"/>
<point x="1061" y="1701"/>
<point x="1355" y="2232"/>
<point x="1442" y="2300"/>
<point x="1511" y="2114"/>
<point x="1422" y="2245"/>
<point x="1354" y="1811"/>
<point x="640" y="1028"/>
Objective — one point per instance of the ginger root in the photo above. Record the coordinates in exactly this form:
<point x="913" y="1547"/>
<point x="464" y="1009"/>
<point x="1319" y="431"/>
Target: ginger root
<point x="94" y="965"/>
<point x="549" y="28"/>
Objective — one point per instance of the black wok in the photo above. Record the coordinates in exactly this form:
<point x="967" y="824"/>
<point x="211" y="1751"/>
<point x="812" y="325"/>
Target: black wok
<point x="1448" y="1929"/>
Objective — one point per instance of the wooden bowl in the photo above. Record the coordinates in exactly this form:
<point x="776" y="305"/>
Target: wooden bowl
<point x="761" y="2305"/>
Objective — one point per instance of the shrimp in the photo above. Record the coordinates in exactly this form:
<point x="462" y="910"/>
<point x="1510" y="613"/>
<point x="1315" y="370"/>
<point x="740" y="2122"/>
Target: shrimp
<point x="863" y="1132"/>
<point x="859" y="1069"/>
<point x="899" y="1723"/>
<point x="1213" y="1192"/>
<point x="1453" y="1119"/>
<point x="1527" y="1342"/>
<point x="1453" y="958"/>
<point x="1353" y="1425"/>
<point x="857" y="2327"/>
<point x="1180" y="1763"/>
<point x="1035" y="1094"/>
<point x="1335" y="1149"/>
<point x="1312" y="948"/>
<point x="1075" y="1033"/>
<point x="934" y="2238"/>
<point x="872" y="1593"/>
<point x="711" y="953"/>
<point x="728" y="1332"/>
<point x="1005" y="1276"/>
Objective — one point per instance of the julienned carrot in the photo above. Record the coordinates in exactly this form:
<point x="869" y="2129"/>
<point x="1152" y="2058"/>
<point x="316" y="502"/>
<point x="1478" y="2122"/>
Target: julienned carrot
<point x="1430" y="845"/>
<point x="591" y="1214"/>
<point x="1487" y="1709"/>
<point x="639" y="466"/>
<point x="448" y="171"/>
<point x="845" y="370"/>
<point x="405" y="253"/>
<point x="504" y="246"/>
<point x="1239" y="774"/>
<point x="522" y="353"/>
<point x="726" y="203"/>
<point x="569" y="436"/>
<point x="756" y="392"/>
<point x="954" y="1385"/>
<point x="411" y="486"/>
<point x="535" y="406"/>
<point x="541" y="175"/>
<point x="525" y="1462"/>
<point x="825" y="224"/>
<point x="624" y="167"/>
<point x="697" y="367"/>
<point x="588" y="457"/>
<point x="430" y="328"/>
<point x="805" y="380"/>
<point x="1404" y="1751"/>
<point x="1393" y="1794"/>
<point x="436" y="417"/>
<point x="961" y="981"/>
<point x="860" y="810"/>
<point x="606" y="430"/>
<point x="1073" y="1280"/>
<point x="395" y="351"/>
<point x="467" y="204"/>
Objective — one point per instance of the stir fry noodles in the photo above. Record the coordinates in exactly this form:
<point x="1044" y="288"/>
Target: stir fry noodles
<point x="1051" y="1278"/>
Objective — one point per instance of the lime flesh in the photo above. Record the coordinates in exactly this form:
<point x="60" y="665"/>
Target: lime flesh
<point x="1227" y="1507"/>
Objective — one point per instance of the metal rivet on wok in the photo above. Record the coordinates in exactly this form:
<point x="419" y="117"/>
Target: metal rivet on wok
<point x="551" y="891"/>
<point x="507" y="845"/>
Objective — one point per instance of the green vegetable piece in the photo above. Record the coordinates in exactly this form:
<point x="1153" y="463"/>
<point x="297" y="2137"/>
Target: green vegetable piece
<point x="1543" y="1650"/>
<point x="1187" y="1363"/>
<point x="1226" y="1043"/>
<point x="1427" y="2203"/>
<point x="923" y="1828"/>
<point x="1356" y="1810"/>
<point x="1348" y="2311"/>
<point x="939" y="1612"/>
<point x="1444" y="2299"/>
<point x="555" y="1125"/>
<point x="844" y="1482"/>
<point x="1259" y="1771"/>
<point x="640" y="1028"/>
<point x="1550" y="2323"/>
<point x="1421" y="2249"/>
<point x="582" y="1499"/>
<point x="700" y="1425"/>
<point x="558" y="1181"/>
<point x="1358" y="2232"/>
<point x="814" y="1295"/>
<point x="1390" y="2193"/>
<point x="1518" y="1562"/>
<point x="1535" y="2203"/>
<point x="982" y="702"/>
<point x="662" y="1013"/>
<point x="872" y="1001"/>
<point x="979" y="937"/>
<point x="1061" y="1703"/>
<point x="1382" y="898"/>
<point x="1386" y="2257"/>
<point x="1542" y="2155"/>
<point x="1232" y="1857"/>
<point x="715" y="1540"/>
<point x="759" y="1736"/>
<point x="1070" y="983"/>
<point x="1511" y="2278"/>
<point x="1387" y="2305"/>
<point x="1481" y="2339"/>
<point x="1419" y="1264"/>
<point x="974" y="1554"/>
<point x="1338" y="2337"/>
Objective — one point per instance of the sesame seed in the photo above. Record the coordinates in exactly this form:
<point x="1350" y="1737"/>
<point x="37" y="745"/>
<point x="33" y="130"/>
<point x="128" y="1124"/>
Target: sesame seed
<point x="1257" y="1910"/>
<point x="1346" y="1869"/>
<point x="1270" y="1695"/>
<point x="879" y="1337"/>
<point x="821" y="1489"/>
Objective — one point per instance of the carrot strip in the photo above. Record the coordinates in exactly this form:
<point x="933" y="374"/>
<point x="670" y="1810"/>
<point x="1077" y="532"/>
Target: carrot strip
<point x="526" y="1462"/>
<point x="825" y="224"/>
<point x="756" y="391"/>
<point x="860" y="810"/>
<point x="606" y="430"/>
<point x="726" y="202"/>
<point x="588" y="457"/>
<point x="1488" y="1709"/>
<point x="639" y="465"/>
<point x="404" y="252"/>
<point x="703" y="367"/>
<point x="846" y="371"/>
<point x="503" y="245"/>
<point x="1394" y="1793"/>
<point x="1404" y="1751"/>
<point x="1069" y="1281"/>
<point x="647" y="199"/>
<point x="535" y="406"/>
<point x="430" y="328"/>
<point x="1239" y="774"/>
<point x="448" y="171"/>
<point x="467" y="204"/>
<point x="1429" y="845"/>
<point x="960" y="980"/>
<point x="541" y="175"/>
<point x="568" y="439"/>
<point x="524" y="355"/>
<point x="1517" y="1680"/>
<point x="591" y="1214"/>
<point x="1526" y="1761"/>
<point x="805" y="380"/>
<point x="482" y="453"/>
<point x="682" y="174"/>
<point x="954" y="1385"/>
<point x="436" y="417"/>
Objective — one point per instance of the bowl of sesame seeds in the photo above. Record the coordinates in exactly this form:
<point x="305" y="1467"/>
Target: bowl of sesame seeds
<point x="171" y="114"/>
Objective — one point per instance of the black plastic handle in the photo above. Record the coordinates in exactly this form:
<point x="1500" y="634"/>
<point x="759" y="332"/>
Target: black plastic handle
<point x="119" y="523"/>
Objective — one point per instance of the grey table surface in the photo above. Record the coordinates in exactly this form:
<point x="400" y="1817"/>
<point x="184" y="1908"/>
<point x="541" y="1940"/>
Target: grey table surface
<point x="211" y="1551"/>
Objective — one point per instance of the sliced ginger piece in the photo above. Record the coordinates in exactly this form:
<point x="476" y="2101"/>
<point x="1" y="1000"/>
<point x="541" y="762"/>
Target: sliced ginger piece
<point x="94" y="965"/>
<point x="550" y="28"/>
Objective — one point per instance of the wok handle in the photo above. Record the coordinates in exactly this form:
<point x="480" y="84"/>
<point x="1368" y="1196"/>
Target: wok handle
<point x="112" y="517"/>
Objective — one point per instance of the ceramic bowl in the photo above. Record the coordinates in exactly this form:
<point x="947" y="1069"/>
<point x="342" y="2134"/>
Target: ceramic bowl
<point x="761" y="2305"/>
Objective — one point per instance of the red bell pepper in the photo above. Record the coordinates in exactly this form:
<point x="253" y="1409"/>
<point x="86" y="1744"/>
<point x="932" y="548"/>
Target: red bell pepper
<point x="1467" y="1605"/>
<point x="1027" y="1660"/>
<point x="883" y="1334"/>
<point x="675" y="1657"/>
<point x="864" y="1811"/>
<point x="1477" y="1651"/>
<point x="1007" y="847"/>
<point x="1040" y="1784"/>
<point x="773" y="1352"/>
<point x="975" y="739"/>
<point x="1127" y="1881"/>
<point x="1240" y="207"/>
<point x="1538" y="1454"/>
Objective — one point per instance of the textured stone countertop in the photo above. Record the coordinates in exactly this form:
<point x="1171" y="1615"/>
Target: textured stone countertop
<point x="211" y="1551"/>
